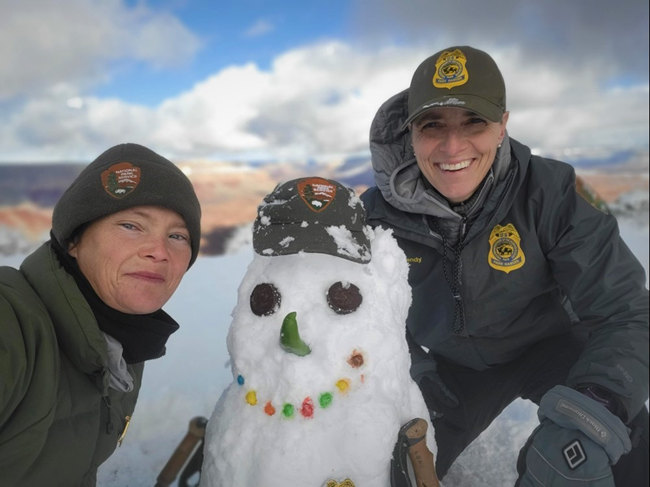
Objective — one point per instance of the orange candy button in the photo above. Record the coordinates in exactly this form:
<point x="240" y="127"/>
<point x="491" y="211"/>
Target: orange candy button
<point x="269" y="409"/>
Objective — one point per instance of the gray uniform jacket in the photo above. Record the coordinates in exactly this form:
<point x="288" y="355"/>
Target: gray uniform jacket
<point x="529" y="259"/>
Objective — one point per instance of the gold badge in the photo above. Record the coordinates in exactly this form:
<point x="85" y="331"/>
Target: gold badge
<point x="317" y="193"/>
<point x="450" y="70"/>
<point x="121" y="179"/>
<point x="505" y="253"/>
<point x="334" y="483"/>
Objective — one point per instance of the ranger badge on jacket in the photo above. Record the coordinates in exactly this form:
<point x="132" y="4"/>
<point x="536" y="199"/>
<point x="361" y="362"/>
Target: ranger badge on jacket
<point x="505" y="253"/>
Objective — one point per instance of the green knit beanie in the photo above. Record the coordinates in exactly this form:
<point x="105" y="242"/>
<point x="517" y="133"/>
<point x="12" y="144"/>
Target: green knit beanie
<point x="123" y="177"/>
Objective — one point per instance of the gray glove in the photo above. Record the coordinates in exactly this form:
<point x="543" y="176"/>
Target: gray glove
<point x="577" y="441"/>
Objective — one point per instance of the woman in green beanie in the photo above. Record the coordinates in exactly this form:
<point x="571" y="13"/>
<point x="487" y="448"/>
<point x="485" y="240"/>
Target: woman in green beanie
<point x="83" y="313"/>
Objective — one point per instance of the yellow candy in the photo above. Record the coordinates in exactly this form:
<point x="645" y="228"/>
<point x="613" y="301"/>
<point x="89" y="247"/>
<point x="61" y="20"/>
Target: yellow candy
<point x="343" y="385"/>
<point x="251" y="398"/>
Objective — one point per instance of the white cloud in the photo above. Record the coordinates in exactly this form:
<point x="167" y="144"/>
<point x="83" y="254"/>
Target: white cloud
<point x="318" y="100"/>
<point x="259" y="28"/>
<point x="612" y="35"/>
<point x="45" y="43"/>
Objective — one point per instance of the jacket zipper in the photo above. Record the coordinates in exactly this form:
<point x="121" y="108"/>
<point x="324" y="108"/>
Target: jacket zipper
<point x="499" y="202"/>
<point x="109" y="421"/>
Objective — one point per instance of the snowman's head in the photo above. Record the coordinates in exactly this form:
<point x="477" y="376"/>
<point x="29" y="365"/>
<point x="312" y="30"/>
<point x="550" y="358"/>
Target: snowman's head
<point x="311" y="329"/>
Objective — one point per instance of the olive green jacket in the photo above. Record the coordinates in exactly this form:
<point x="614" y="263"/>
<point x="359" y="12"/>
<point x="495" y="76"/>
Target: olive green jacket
<point x="59" y="420"/>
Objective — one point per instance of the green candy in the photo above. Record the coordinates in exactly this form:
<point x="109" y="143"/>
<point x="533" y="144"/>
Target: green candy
<point x="287" y="410"/>
<point x="325" y="400"/>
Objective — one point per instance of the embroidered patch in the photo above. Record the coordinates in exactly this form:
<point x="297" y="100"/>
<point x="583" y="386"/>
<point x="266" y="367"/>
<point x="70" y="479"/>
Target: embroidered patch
<point x="574" y="454"/>
<point x="121" y="179"/>
<point x="317" y="193"/>
<point x="505" y="253"/>
<point x="451" y="70"/>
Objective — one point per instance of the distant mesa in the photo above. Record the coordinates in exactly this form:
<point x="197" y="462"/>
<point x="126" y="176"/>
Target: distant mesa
<point x="230" y="192"/>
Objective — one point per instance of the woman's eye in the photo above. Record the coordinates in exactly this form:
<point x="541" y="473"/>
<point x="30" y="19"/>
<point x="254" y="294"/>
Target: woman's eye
<point x="179" y="236"/>
<point x="265" y="299"/>
<point x="429" y="125"/>
<point x="128" y="226"/>
<point x="344" y="298"/>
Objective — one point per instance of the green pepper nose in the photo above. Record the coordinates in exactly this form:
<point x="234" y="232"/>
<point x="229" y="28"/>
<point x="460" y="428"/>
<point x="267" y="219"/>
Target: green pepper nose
<point x="290" y="340"/>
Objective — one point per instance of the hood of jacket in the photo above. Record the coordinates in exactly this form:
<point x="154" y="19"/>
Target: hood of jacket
<point x="397" y="173"/>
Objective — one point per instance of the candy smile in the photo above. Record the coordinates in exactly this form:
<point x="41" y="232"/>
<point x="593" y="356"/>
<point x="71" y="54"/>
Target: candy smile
<point x="456" y="166"/>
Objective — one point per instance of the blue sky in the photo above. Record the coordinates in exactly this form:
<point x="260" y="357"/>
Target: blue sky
<point x="295" y="80"/>
<point x="229" y="33"/>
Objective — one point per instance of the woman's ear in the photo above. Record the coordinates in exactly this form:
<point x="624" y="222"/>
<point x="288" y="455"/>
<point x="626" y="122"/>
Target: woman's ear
<point x="72" y="248"/>
<point x="75" y="238"/>
<point x="504" y="123"/>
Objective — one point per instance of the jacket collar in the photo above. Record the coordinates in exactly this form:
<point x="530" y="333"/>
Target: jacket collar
<point x="78" y="335"/>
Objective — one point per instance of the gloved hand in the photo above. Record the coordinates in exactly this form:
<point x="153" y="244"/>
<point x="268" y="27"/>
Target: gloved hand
<point x="424" y="371"/>
<point x="577" y="442"/>
<point x="437" y="395"/>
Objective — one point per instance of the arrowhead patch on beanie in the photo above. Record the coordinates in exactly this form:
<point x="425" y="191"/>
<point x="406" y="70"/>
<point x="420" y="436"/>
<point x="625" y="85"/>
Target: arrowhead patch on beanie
<point x="121" y="179"/>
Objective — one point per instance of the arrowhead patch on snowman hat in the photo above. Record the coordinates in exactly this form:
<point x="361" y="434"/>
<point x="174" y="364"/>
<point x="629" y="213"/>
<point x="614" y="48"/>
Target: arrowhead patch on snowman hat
<point x="313" y="215"/>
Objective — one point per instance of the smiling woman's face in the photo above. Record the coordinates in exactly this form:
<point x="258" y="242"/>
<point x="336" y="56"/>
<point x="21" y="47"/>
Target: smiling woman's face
<point x="135" y="259"/>
<point x="455" y="149"/>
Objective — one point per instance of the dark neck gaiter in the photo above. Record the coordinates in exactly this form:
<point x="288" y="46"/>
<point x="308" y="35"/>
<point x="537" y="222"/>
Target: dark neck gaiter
<point x="143" y="337"/>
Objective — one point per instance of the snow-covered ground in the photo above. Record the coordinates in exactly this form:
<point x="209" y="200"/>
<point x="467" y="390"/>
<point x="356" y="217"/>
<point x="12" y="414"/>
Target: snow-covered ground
<point x="188" y="381"/>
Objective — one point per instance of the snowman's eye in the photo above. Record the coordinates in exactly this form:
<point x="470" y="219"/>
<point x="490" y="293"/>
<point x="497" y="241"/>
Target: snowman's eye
<point x="344" y="298"/>
<point x="265" y="299"/>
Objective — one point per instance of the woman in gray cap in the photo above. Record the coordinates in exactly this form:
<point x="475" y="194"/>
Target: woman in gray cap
<point x="83" y="313"/>
<point x="521" y="289"/>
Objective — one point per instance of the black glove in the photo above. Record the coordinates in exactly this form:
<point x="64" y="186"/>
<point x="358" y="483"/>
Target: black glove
<point x="437" y="395"/>
<point x="575" y="444"/>
<point x="424" y="371"/>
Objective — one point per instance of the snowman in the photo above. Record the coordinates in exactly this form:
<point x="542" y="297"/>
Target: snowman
<point x="318" y="351"/>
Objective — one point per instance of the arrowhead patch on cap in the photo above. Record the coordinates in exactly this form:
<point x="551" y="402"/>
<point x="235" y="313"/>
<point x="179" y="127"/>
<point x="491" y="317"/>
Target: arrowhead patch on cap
<point x="312" y="215"/>
<point x="317" y="193"/>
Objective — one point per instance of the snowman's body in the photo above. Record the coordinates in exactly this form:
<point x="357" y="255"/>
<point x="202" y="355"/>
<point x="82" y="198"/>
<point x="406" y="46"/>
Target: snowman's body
<point x="330" y="415"/>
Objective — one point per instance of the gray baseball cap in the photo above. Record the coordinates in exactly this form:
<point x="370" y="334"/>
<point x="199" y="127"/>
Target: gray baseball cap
<point x="313" y="215"/>
<point x="458" y="77"/>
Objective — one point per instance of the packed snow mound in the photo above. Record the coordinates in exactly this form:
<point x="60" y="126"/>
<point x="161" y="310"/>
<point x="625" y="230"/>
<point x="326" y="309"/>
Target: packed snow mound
<point x="320" y="367"/>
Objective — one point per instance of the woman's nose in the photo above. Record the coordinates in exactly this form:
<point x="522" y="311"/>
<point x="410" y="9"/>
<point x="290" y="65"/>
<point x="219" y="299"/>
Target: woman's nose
<point x="155" y="248"/>
<point x="453" y="142"/>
